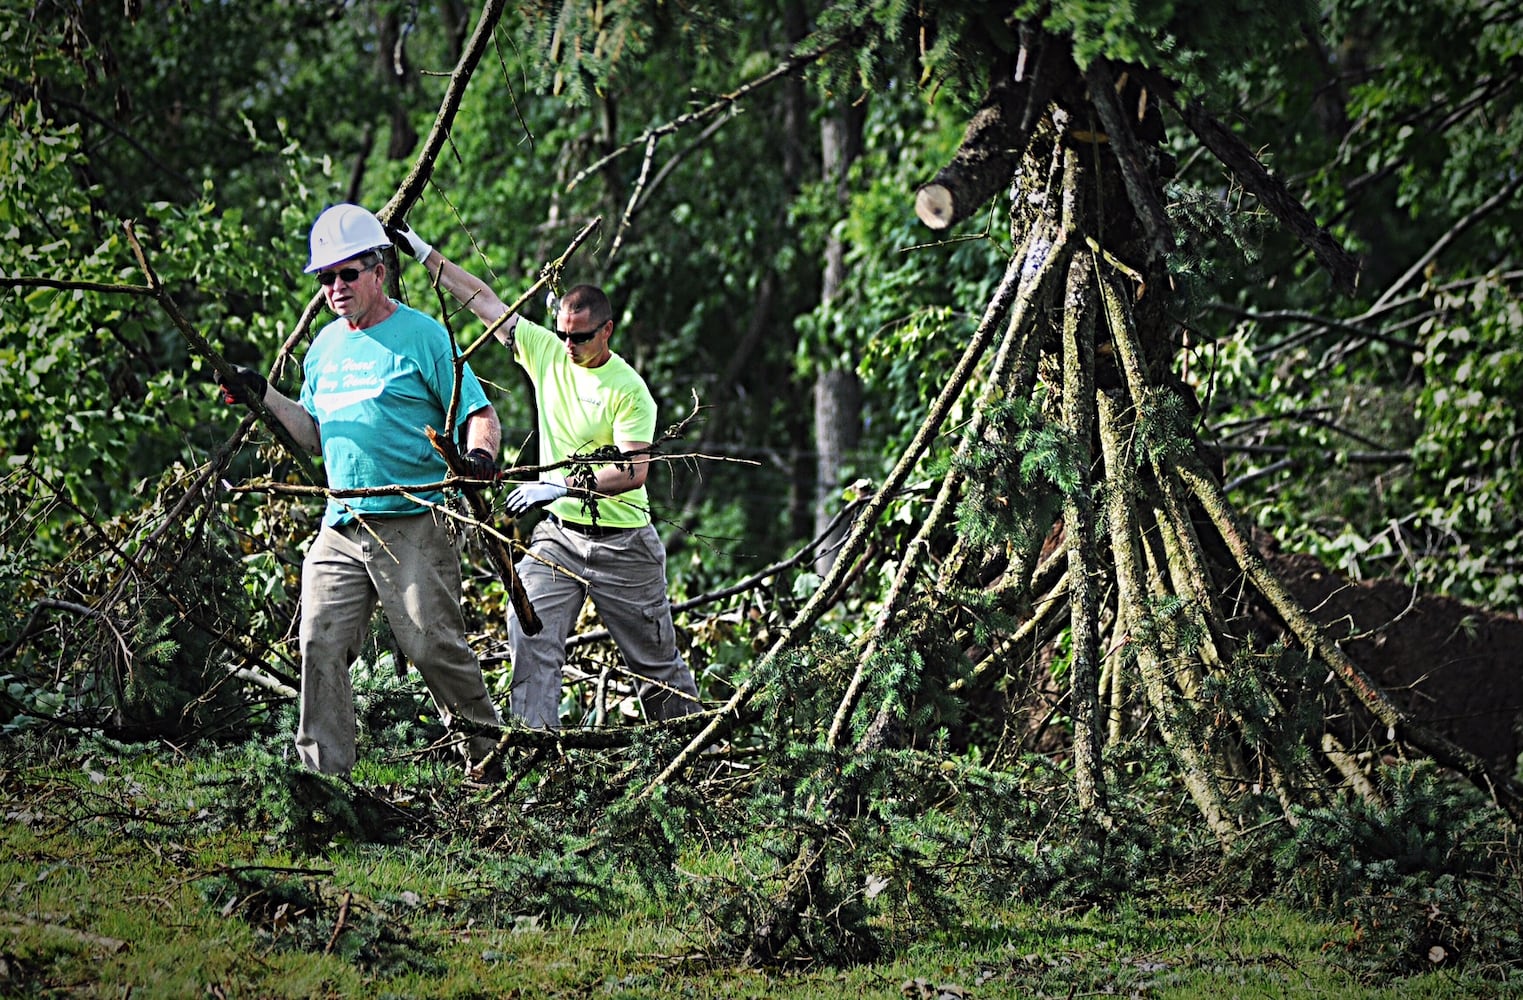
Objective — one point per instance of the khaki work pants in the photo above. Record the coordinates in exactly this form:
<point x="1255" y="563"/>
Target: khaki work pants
<point x="411" y="565"/>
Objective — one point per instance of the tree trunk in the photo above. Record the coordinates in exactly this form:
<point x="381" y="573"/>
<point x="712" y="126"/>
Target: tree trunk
<point x="1079" y="524"/>
<point x="837" y="390"/>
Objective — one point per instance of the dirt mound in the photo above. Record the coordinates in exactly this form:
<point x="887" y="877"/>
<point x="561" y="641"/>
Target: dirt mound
<point x="1457" y="668"/>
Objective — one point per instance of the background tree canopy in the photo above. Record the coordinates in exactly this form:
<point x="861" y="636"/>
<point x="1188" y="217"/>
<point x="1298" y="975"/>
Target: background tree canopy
<point x="987" y="488"/>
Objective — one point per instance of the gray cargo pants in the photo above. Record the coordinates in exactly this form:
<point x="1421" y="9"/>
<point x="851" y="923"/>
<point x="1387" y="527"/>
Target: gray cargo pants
<point x="625" y="575"/>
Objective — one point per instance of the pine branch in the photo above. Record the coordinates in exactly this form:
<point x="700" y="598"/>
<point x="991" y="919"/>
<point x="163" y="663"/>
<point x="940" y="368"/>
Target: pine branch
<point x="1270" y="191"/>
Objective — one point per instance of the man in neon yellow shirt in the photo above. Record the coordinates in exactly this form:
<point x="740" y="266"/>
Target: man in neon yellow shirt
<point x="597" y="539"/>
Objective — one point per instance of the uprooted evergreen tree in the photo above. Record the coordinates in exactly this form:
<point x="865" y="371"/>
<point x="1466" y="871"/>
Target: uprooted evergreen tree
<point x="1083" y="435"/>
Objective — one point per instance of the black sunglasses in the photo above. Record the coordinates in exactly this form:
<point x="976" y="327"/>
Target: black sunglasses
<point x="580" y="338"/>
<point x="349" y="274"/>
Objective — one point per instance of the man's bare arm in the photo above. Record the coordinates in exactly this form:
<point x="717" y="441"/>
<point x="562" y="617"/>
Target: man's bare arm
<point x="297" y="421"/>
<point x="611" y="480"/>
<point x="471" y="292"/>
<point x="484" y="431"/>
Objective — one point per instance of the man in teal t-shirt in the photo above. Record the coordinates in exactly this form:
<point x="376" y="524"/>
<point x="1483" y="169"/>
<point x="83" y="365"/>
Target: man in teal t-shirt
<point x="376" y="378"/>
<point x="372" y="391"/>
<point x="598" y="540"/>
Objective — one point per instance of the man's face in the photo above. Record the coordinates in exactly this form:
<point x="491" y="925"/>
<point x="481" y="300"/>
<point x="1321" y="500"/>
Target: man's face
<point x="573" y="326"/>
<point x="353" y="290"/>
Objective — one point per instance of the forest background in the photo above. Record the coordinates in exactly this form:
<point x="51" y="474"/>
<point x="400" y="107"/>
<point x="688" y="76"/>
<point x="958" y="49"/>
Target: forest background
<point x="1300" y="280"/>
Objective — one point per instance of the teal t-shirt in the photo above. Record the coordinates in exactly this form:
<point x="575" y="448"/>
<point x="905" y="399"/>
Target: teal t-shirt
<point x="581" y="409"/>
<point x="372" y="393"/>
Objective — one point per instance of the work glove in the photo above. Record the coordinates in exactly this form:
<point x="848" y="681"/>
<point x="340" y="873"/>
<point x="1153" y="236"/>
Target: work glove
<point x="479" y="464"/>
<point x="408" y="241"/>
<point x="532" y="495"/>
<point x="245" y="386"/>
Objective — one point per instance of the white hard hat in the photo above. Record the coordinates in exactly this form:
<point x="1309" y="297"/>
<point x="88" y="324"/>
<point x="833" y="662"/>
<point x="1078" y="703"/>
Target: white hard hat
<point x="342" y="232"/>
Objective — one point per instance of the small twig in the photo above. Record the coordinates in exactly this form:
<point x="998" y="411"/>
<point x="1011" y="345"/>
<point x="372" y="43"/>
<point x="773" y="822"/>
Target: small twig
<point x="265" y="681"/>
<point x="634" y="197"/>
<point x="89" y="612"/>
<point x="513" y="94"/>
<point x="677" y="158"/>
<point x="338" y="925"/>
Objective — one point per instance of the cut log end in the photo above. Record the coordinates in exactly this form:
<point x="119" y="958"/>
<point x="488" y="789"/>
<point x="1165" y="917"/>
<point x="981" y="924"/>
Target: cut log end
<point x="934" y="205"/>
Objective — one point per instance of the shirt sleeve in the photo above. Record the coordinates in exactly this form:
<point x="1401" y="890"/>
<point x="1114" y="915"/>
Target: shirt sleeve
<point x="635" y="419"/>
<point x="439" y="371"/>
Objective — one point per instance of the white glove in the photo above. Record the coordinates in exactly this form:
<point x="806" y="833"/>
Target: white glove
<point x="403" y="234"/>
<point x="532" y="495"/>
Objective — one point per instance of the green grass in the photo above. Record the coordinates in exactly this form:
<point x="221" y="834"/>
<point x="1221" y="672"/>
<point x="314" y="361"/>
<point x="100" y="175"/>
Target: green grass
<point x="152" y="876"/>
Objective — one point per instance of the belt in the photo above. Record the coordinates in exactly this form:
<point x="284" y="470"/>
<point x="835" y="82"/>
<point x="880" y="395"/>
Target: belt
<point x="590" y="530"/>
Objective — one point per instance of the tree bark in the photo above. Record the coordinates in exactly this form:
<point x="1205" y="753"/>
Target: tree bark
<point x="1184" y="571"/>
<point x="1171" y="714"/>
<point x="1079" y="525"/>
<point x="997" y="134"/>
<point x="981" y="168"/>
<point x="1138" y="165"/>
<point x="837" y="389"/>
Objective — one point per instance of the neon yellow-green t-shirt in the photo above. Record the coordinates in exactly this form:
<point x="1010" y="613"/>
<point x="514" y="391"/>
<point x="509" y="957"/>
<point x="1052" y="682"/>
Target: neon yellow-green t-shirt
<point x="581" y="409"/>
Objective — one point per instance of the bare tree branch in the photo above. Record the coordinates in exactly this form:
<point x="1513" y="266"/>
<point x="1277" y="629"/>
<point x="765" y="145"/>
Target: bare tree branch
<point x="787" y="67"/>
<point x="64" y="284"/>
<point x="214" y="357"/>
<point x="1135" y="174"/>
<point x="1271" y="192"/>
<point x="423" y="167"/>
<point x="1443" y="242"/>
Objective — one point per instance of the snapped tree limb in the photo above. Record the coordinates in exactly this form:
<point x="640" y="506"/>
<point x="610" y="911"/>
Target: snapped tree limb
<point x="1271" y="192"/>
<point x="213" y="357"/>
<point x="996" y="135"/>
<point x="528" y="619"/>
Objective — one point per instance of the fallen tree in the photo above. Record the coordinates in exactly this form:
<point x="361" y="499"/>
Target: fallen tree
<point x="1088" y="365"/>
